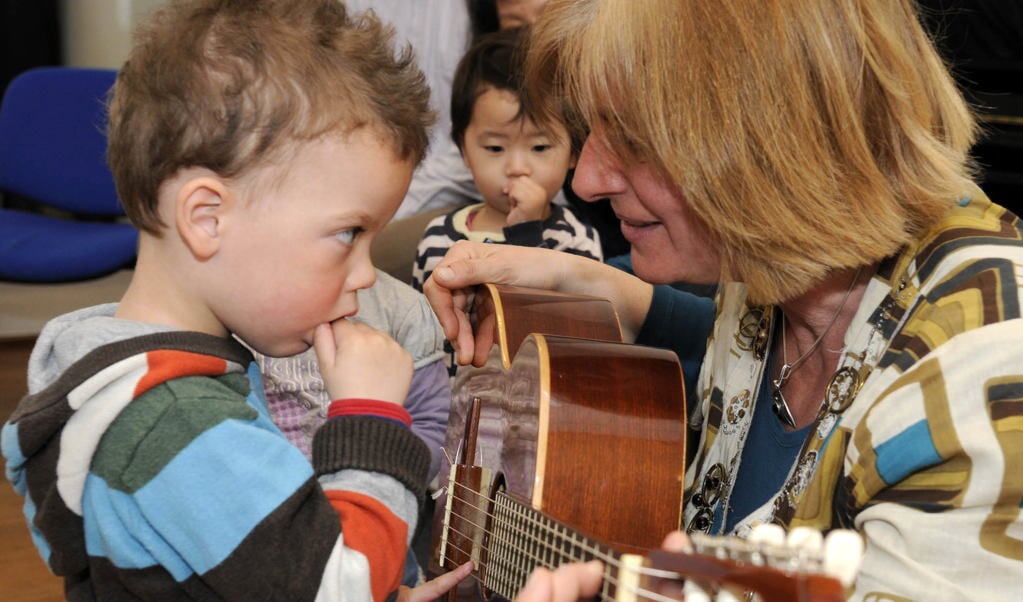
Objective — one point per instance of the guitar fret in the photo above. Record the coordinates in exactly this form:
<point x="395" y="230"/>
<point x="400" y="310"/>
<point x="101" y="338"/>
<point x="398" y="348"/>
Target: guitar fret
<point x="523" y="539"/>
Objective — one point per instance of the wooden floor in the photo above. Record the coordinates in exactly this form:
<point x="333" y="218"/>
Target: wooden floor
<point x="23" y="575"/>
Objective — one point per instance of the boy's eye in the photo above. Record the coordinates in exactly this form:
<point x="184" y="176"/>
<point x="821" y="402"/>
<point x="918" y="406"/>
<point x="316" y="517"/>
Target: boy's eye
<point x="348" y="236"/>
<point x="493" y="149"/>
<point x="541" y="148"/>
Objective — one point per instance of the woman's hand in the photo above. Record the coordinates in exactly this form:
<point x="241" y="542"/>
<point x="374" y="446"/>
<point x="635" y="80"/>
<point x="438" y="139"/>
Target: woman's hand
<point x="581" y="580"/>
<point x="567" y="583"/>
<point x="451" y="287"/>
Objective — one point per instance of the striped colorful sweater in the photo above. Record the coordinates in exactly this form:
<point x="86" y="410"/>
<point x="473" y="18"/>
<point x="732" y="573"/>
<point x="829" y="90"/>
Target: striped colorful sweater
<point x="151" y="469"/>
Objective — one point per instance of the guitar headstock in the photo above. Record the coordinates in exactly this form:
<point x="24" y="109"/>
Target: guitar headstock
<point x="801" y="566"/>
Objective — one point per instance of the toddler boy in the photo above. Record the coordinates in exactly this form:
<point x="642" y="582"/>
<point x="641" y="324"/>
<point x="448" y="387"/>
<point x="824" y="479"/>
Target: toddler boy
<point x="258" y="145"/>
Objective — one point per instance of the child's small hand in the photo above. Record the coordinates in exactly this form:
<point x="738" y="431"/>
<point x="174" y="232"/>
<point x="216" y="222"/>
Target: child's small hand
<point x="435" y="588"/>
<point x="527" y="200"/>
<point x="357" y="361"/>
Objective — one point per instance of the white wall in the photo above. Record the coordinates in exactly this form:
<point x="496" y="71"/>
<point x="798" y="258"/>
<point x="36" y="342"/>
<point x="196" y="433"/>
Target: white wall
<point x="97" y="33"/>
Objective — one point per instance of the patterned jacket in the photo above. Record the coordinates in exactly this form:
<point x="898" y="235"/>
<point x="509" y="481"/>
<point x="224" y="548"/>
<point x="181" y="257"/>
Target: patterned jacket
<point x="920" y="441"/>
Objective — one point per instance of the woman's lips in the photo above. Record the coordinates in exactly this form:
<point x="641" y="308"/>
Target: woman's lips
<point x="634" y="230"/>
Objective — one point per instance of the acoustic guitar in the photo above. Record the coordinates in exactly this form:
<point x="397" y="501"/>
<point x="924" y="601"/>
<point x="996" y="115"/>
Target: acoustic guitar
<point x="569" y="445"/>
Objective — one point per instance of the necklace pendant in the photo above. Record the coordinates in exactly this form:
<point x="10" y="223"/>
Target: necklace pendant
<point x="781" y="409"/>
<point x="845" y="383"/>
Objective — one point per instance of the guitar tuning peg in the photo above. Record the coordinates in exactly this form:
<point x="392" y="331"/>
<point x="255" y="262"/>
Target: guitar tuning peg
<point x="767" y="534"/>
<point x="843" y="552"/>
<point x="691" y="592"/>
<point x="725" y="596"/>
<point x="805" y="540"/>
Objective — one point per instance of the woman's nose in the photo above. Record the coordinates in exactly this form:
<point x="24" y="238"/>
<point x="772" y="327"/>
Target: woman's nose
<point x="598" y="172"/>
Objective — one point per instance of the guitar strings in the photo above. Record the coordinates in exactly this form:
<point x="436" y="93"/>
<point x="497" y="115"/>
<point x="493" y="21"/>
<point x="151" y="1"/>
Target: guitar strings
<point x="584" y="545"/>
<point x="545" y="526"/>
<point x="603" y="594"/>
<point x="533" y="537"/>
<point x="542" y="545"/>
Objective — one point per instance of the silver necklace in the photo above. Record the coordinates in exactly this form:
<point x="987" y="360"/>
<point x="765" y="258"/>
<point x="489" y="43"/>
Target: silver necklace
<point x="778" y="403"/>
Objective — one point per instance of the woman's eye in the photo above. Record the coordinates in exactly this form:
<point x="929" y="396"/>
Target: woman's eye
<point x="347" y="236"/>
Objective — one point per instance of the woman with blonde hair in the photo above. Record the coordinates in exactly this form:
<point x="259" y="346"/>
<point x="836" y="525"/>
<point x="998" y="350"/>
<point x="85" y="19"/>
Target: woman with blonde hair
<point x="862" y="358"/>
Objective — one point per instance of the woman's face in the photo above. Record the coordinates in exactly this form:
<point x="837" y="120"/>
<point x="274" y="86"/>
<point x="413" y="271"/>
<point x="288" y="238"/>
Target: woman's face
<point x="669" y="243"/>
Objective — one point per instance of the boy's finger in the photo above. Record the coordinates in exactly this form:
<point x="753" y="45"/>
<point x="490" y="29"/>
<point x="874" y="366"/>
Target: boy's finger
<point x="437" y="587"/>
<point x="324" y="344"/>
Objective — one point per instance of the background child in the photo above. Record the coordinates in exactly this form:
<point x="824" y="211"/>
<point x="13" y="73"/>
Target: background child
<point x="517" y="167"/>
<point x="241" y="135"/>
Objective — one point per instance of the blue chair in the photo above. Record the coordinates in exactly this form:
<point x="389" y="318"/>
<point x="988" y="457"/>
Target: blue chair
<point x="53" y="156"/>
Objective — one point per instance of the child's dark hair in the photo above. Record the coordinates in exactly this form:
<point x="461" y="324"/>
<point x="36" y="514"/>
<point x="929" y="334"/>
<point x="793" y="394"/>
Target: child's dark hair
<point x="495" y="60"/>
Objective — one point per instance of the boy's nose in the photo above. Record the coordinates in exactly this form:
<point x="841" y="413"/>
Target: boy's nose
<point x="517" y="165"/>
<point x="361" y="272"/>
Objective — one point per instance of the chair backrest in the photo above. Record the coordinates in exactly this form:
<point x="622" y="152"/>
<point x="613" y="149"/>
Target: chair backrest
<point x="53" y="139"/>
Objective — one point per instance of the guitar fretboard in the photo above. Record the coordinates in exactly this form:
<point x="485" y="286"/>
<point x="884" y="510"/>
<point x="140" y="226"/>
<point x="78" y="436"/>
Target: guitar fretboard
<point x="522" y="539"/>
<point x="515" y="539"/>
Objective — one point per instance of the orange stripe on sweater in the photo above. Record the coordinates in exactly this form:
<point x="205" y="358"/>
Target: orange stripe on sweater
<point x="168" y="364"/>
<point x="369" y="527"/>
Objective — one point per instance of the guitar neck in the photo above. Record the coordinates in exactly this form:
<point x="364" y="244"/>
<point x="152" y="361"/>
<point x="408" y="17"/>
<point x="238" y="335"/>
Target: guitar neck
<point x="521" y="539"/>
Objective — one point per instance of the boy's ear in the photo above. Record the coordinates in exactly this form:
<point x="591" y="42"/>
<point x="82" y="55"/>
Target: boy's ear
<point x="200" y="207"/>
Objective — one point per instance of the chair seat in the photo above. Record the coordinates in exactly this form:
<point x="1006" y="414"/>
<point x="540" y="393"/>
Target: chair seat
<point x="40" y="248"/>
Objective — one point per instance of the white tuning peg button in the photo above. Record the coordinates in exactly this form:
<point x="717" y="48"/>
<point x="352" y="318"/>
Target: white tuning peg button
<point x="767" y="534"/>
<point x="805" y="540"/>
<point x="843" y="552"/>
<point x="691" y="592"/>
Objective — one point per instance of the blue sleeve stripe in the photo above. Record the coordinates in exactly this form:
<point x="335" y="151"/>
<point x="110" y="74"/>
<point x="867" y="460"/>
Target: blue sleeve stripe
<point x="115" y="528"/>
<point x="905" y="453"/>
<point x="199" y="508"/>
<point x="14" y="458"/>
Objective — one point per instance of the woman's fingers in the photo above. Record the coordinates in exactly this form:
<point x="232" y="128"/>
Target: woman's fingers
<point x="568" y="583"/>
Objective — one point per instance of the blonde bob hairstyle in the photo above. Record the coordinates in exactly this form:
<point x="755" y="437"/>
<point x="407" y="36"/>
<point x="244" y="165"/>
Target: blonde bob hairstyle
<point x="809" y="135"/>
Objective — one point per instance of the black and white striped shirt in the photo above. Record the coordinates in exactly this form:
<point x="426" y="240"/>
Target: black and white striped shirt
<point x="561" y="231"/>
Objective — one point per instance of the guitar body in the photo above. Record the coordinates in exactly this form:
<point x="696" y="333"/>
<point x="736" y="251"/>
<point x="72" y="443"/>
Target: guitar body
<point x="569" y="445"/>
<point x="591" y="432"/>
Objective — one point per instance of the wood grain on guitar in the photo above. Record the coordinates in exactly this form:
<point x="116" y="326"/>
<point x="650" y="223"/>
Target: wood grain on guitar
<point x="569" y="445"/>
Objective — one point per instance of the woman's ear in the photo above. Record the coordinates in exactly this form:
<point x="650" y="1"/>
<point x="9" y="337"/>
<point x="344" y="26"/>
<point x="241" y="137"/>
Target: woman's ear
<point x="200" y="207"/>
